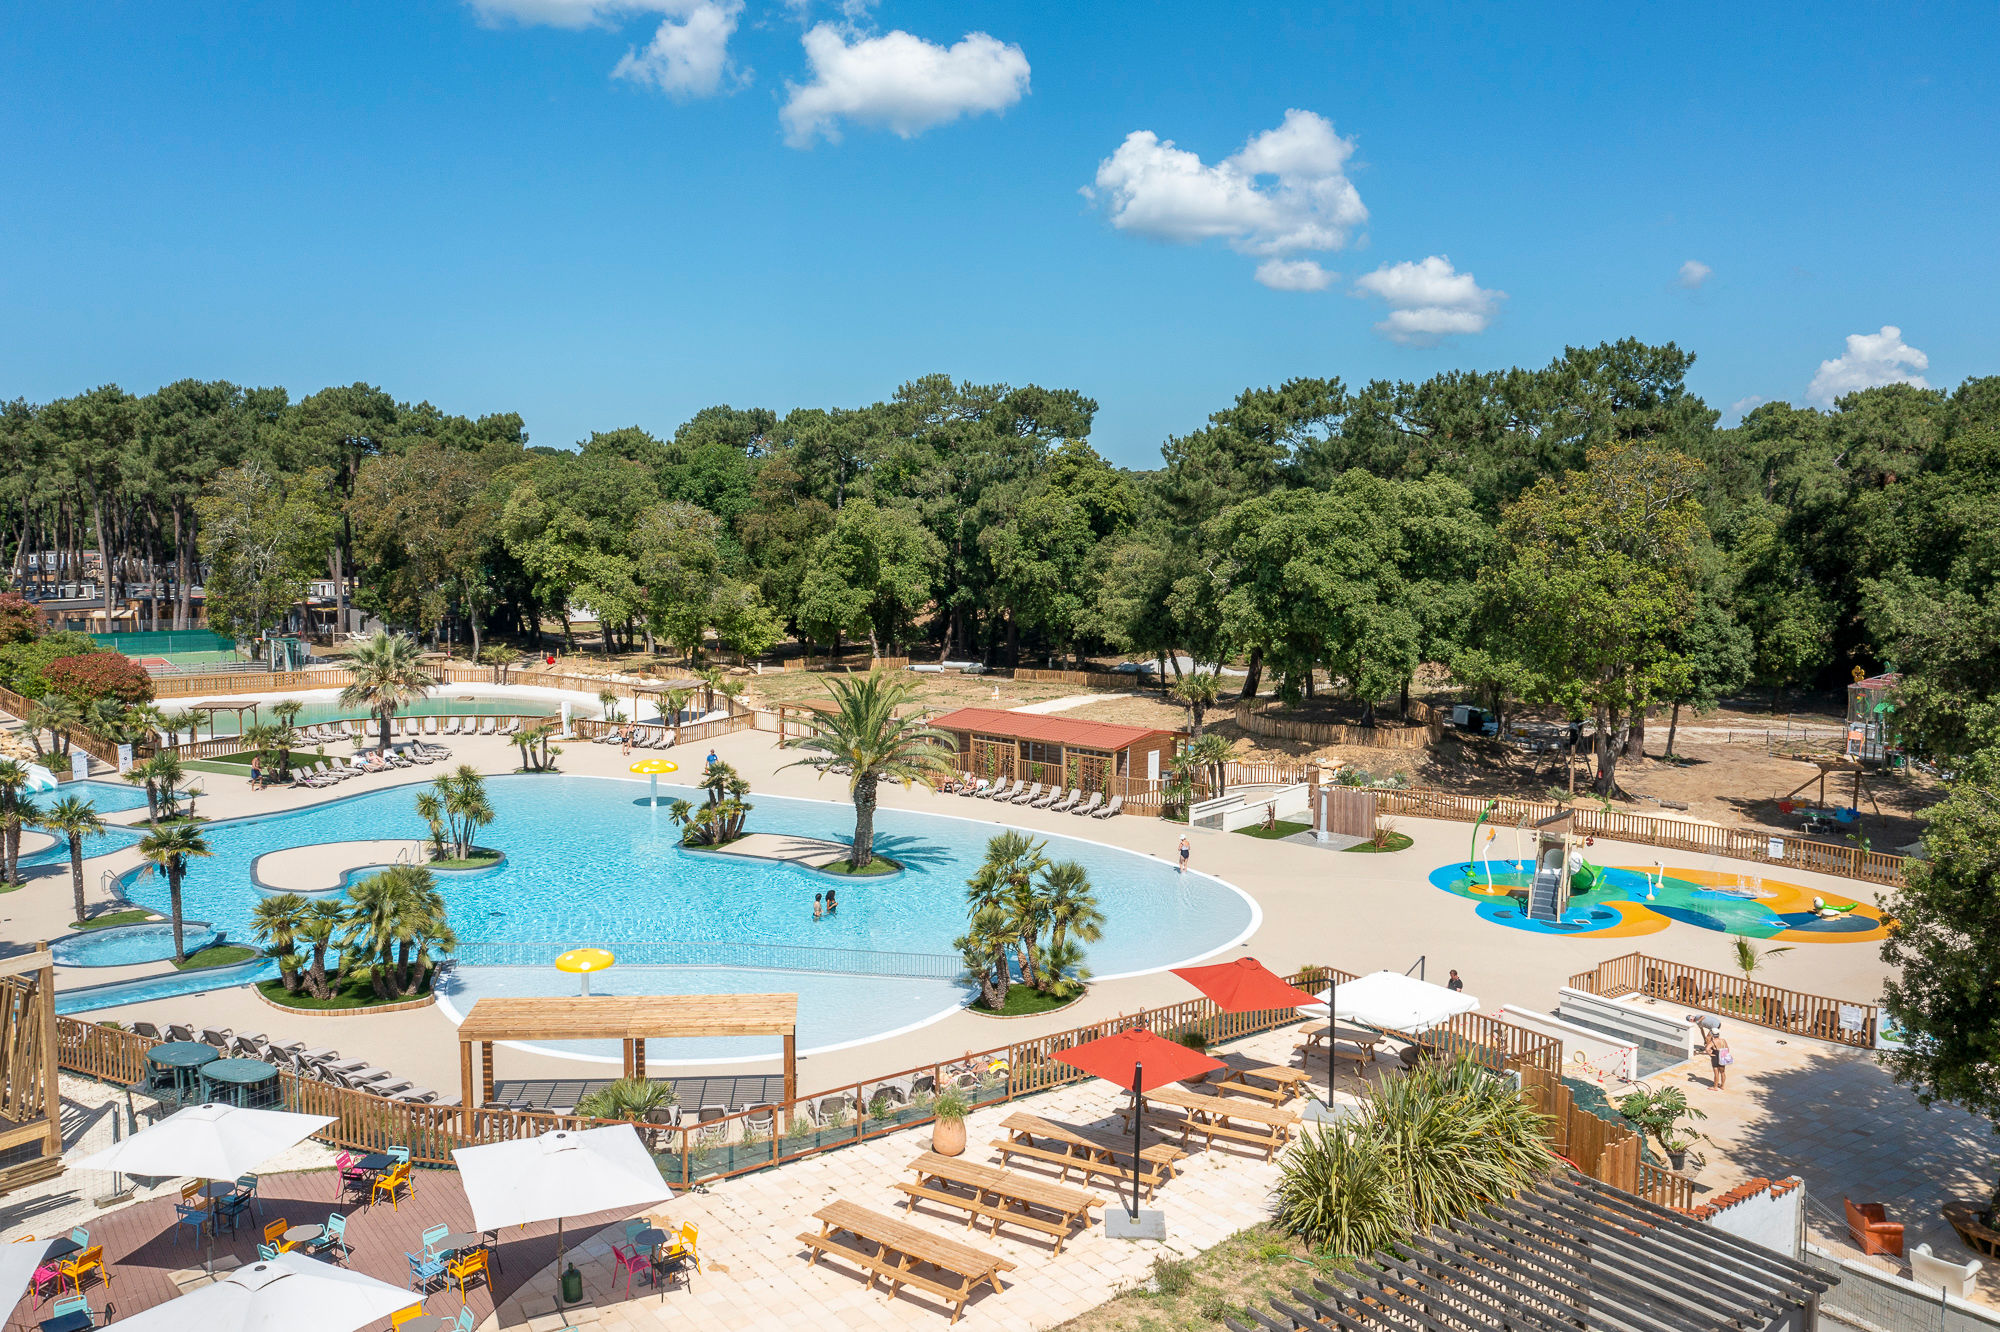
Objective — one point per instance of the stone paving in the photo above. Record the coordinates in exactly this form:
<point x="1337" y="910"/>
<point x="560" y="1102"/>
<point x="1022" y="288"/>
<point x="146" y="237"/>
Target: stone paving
<point x="754" y="1272"/>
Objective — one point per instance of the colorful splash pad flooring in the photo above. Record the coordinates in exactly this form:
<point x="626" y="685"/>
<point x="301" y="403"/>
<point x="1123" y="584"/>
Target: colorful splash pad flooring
<point x="1635" y="901"/>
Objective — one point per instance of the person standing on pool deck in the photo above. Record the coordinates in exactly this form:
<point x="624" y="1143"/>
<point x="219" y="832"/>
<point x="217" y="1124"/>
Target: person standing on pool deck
<point x="712" y="760"/>
<point x="1454" y="983"/>
<point x="819" y="905"/>
<point x="1186" y="851"/>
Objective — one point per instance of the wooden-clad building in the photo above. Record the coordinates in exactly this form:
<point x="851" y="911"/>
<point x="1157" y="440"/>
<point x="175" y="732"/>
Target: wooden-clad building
<point x="1056" y="750"/>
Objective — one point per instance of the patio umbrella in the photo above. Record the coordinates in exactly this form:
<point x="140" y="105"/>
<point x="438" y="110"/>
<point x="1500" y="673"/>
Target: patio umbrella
<point x="1248" y="986"/>
<point x="557" y="1175"/>
<point x="208" y="1141"/>
<point x="18" y="1262"/>
<point x="291" y="1293"/>
<point x="1395" y="1002"/>
<point x="1123" y="1058"/>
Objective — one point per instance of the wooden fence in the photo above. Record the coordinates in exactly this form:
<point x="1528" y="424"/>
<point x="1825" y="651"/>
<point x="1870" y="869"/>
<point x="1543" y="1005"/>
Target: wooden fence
<point x="1252" y="716"/>
<point x="1601" y="1148"/>
<point x="102" y="750"/>
<point x="1701" y="838"/>
<point x="1843" y="1021"/>
<point x="1089" y="679"/>
<point x="694" y="1153"/>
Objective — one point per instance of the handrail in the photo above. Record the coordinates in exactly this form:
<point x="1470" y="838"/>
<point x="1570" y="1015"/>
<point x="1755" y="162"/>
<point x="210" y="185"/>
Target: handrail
<point x="1842" y="1021"/>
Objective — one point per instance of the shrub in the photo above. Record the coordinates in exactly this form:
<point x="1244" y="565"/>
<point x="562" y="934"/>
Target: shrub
<point x="24" y="666"/>
<point x="17" y="619"/>
<point x="1446" y="1140"/>
<point x="627" y="1098"/>
<point x="950" y="1105"/>
<point x="93" y="676"/>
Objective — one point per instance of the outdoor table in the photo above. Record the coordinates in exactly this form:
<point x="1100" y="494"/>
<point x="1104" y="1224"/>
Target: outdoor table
<point x="180" y="1058"/>
<point x="304" y="1234"/>
<point x="1289" y="1081"/>
<point x="235" y="1078"/>
<point x="460" y="1241"/>
<point x="423" y="1323"/>
<point x="1364" y="1037"/>
<point x="1000" y="1195"/>
<point x="61" y="1248"/>
<point x="1218" y="1117"/>
<point x="74" y="1322"/>
<point x="898" y="1248"/>
<point x="375" y="1163"/>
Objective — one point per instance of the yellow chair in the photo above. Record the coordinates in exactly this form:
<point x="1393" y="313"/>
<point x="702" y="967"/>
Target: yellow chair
<point x="682" y="1247"/>
<point x="402" y="1316"/>
<point x="398" y="1178"/>
<point x="274" y="1235"/>
<point x="89" y="1260"/>
<point x="472" y="1262"/>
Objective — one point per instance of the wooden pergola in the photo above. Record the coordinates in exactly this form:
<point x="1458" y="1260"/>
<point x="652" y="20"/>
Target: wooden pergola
<point x="631" y="1020"/>
<point x="30" y="1100"/>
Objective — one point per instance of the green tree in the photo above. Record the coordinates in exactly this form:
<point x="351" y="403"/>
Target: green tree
<point x="870" y="575"/>
<point x="462" y="796"/>
<point x="73" y="818"/>
<point x="1005" y="881"/>
<point x="320" y="929"/>
<point x="1071" y="905"/>
<point x="396" y="918"/>
<point x="388" y="675"/>
<point x="276" y="922"/>
<point x="263" y="537"/>
<point x="167" y="850"/>
<point x="865" y="739"/>
<point x="984" y="948"/>
<point x="1196" y="691"/>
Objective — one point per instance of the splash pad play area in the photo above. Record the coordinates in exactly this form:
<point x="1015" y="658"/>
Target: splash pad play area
<point x="1560" y="891"/>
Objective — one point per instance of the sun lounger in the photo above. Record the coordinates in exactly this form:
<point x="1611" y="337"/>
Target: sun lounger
<point x="179" y="1031"/>
<point x="1063" y="806"/>
<point x="979" y="788"/>
<point x="486" y="727"/>
<point x="430" y="726"/>
<point x="513" y="727"/>
<point x="1111" y="806"/>
<point x="999" y="790"/>
<point x="417" y="1094"/>
<point x="1023" y="797"/>
<point x="1090" y="805"/>
<point x="1055" y="794"/>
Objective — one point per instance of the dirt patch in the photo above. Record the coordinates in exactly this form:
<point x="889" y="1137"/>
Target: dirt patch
<point x="939" y="690"/>
<point x="1247" y="1269"/>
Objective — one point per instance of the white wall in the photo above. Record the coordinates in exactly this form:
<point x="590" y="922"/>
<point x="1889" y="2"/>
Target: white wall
<point x="1665" y="1027"/>
<point x="1762" y="1219"/>
<point x="1605" y="1056"/>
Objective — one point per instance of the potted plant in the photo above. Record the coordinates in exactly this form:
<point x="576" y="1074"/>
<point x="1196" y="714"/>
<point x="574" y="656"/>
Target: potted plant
<point x="948" y="1133"/>
<point x="1194" y="1039"/>
<point x="1666" y="1117"/>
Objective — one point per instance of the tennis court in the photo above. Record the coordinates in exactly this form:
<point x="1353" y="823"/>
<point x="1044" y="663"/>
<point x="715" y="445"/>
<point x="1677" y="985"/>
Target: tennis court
<point x="161" y="652"/>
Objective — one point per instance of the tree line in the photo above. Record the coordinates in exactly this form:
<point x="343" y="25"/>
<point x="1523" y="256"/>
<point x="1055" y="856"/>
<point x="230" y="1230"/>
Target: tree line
<point x="1583" y="534"/>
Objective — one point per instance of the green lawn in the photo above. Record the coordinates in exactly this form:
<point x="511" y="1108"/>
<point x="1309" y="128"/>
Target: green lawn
<point x="1022" y="1001"/>
<point x="1284" y="828"/>
<point x="221" y="955"/>
<point x="480" y="859"/>
<point x="1397" y="842"/>
<point x="133" y="917"/>
<point x="353" y="993"/>
<point x="873" y="867"/>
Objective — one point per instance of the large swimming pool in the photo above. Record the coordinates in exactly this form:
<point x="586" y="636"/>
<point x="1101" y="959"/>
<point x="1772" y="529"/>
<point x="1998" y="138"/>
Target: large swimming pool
<point x="590" y="862"/>
<point x="110" y="798"/>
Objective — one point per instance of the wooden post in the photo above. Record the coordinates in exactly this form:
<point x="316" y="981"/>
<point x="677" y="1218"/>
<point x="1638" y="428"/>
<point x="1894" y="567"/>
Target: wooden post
<point x="792" y="1075"/>
<point x="52" y="1144"/>
<point x="639" y="1057"/>
<point x="465" y="1083"/>
<point x="625" y="1052"/>
<point x="486" y="1072"/>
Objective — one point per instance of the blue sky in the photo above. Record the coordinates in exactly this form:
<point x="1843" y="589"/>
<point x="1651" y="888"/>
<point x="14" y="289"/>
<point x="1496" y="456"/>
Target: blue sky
<point x="601" y="213"/>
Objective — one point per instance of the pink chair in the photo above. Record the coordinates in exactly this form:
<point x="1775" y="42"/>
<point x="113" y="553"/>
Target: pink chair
<point x="632" y="1261"/>
<point x="52" y="1275"/>
<point x="347" y="1172"/>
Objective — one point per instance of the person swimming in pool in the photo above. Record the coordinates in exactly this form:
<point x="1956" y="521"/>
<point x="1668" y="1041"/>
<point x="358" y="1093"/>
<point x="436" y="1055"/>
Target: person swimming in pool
<point x="819" y="905"/>
<point x="831" y="905"/>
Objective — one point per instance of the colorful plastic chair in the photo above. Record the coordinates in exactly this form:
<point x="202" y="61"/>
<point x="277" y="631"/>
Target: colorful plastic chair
<point x="333" y="1235"/>
<point x="402" y="1316"/>
<point x="631" y="1260"/>
<point x="72" y="1304"/>
<point x="423" y="1270"/>
<point x="397" y="1178"/>
<point x="432" y="1236"/>
<point x="88" y="1260"/>
<point x="466" y="1321"/>
<point x="274" y="1234"/>
<point x="267" y="1253"/>
<point x="470" y="1263"/>
<point x="185" y="1216"/>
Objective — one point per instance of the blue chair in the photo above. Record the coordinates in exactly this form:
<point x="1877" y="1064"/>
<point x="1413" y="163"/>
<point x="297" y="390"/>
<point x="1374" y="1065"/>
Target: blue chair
<point x="246" y="1187"/>
<point x="72" y="1304"/>
<point x="431" y="1238"/>
<point x="80" y="1237"/>
<point x="401" y="1155"/>
<point x="423" y="1271"/>
<point x="466" y="1321"/>
<point x="333" y="1235"/>
<point x="231" y="1209"/>
<point x="267" y="1253"/>
<point x="185" y="1216"/>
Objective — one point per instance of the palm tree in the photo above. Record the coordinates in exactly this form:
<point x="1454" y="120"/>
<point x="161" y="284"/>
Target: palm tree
<point x="318" y="930"/>
<point x="864" y="736"/>
<point x="608" y="700"/>
<point x="1071" y="906"/>
<point x="174" y="723"/>
<point x="389" y="675"/>
<point x="984" y="947"/>
<point x="711" y="680"/>
<point x="1196" y="691"/>
<point x="673" y="703"/>
<point x="537" y="754"/>
<point x="393" y="919"/>
<point x="1750" y="960"/>
<point x="1005" y="880"/>
<point x="161" y="775"/>
<point x="15" y="810"/>
<point x="59" y="716"/>
<point x="287" y="711"/>
<point x="430" y="808"/>
<point x="74" y="819"/>
<point x="276" y="921"/>
<point x="1062" y="964"/>
<point x="466" y="808"/>
<point x="168" y="851"/>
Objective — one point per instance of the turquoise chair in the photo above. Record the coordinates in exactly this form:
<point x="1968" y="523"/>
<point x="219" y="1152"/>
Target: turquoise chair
<point x="431" y="1238"/>
<point x="185" y="1216"/>
<point x="400" y="1154"/>
<point x="333" y="1235"/>
<point x="423" y="1271"/>
<point x="80" y="1237"/>
<point x="72" y="1304"/>
<point x="465" y="1319"/>
<point x="267" y="1253"/>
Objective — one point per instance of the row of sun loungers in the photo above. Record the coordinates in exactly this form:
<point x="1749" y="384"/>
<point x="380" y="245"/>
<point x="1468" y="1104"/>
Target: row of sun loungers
<point x="409" y="728"/>
<point x="328" y="771"/>
<point x="1015" y="791"/>
<point x="643" y="737"/>
<point x="320" y="1065"/>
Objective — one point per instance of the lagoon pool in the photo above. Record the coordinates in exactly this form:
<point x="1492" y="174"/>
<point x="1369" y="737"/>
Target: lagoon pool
<point x="110" y="798"/>
<point x="589" y="861"/>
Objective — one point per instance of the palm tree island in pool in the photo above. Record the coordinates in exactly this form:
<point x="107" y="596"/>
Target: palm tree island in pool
<point x="864" y="739"/>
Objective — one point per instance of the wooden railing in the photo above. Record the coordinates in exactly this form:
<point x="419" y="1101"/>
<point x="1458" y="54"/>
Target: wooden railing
<point x="691" y="1153"/>
<point x="1252" y="716"/>
<point x="1089" y="679"/>
<point x="1604" y="1149"/>
<point x="101" y="750"/>
<point x="1701" y="838"/>
<point x="1843" y="1021"/>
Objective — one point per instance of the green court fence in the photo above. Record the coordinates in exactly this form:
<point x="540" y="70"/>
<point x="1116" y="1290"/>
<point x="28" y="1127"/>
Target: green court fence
<point x="167" y="642"/>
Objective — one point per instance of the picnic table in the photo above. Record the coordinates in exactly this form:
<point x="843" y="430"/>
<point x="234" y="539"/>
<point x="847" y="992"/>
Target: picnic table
<point x="1365" y="1037"/>
<point x="1288" y="1082"/>
<point x="1000" y="1195"/>
<point x="1085" y="1151"/>
<point x="1220" y="1117"/>
<point x="898" y="1247"/>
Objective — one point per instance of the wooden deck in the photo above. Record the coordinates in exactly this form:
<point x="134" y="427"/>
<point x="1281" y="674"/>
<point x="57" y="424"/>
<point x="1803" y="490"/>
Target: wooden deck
<point x="144" y="1245"/>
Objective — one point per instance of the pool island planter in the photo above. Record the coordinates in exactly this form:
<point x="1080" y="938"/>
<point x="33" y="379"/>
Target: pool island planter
<point x="365" y="1010"/>
<point x="991" y="1016"/>
<point x="483" y="859"/>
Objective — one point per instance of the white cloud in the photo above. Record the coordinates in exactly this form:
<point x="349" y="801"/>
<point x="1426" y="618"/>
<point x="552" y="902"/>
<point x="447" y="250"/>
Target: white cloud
<point x="1429" y="301"/>
<point x="1693" y="273"/>
<point x="1284" y="193"/>
<point x="561" y="13"/>
<point x="1742" y="405"/>
<point x="1871" y="359"/>
<point x="1294" y="275"/>
<point x="899" y="82"/>
<point x="689" y="54"/>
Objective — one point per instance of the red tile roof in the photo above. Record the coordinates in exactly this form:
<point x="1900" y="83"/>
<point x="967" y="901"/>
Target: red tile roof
<point x="1053" y="730"/>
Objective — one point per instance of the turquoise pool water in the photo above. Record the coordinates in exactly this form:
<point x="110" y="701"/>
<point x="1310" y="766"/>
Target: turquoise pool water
<point x="110" y="798"/>
<point x="590" y="862"/>
<point x="316" y="711"/>
<point x="169" y="986"/>
<point x="125" y="945"/>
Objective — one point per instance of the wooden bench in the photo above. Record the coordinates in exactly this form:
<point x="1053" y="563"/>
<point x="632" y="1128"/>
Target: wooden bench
<point x="1361" y="1037"/>
<point x="1085" y="1152"/>
<point x="1215" y="1117"/>
<point x="898" y="1247"/>
<point x="1000" y="1196"/>
<point x="1236" y="1081"/>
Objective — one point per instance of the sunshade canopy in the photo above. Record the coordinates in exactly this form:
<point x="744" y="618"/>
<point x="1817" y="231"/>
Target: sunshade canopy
<point x="559" y="1174"/>
<point x="1395" y="1002"/>
<point x="208" y="1141"/>
<point x="1244" y="986"/>
<point x="291" y="1293"/>
<point x="17" y="1264"/>
<point x="1114" y="1057"/>
<point x="655" y="766"/>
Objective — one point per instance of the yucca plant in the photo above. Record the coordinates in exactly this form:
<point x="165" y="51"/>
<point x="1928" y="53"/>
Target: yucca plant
<point x="1340" y="1192"/>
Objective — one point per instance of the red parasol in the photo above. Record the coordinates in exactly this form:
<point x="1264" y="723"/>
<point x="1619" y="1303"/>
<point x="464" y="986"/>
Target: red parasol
<point x="1245" y="986"/>
<point x="1114" y="1058"/>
